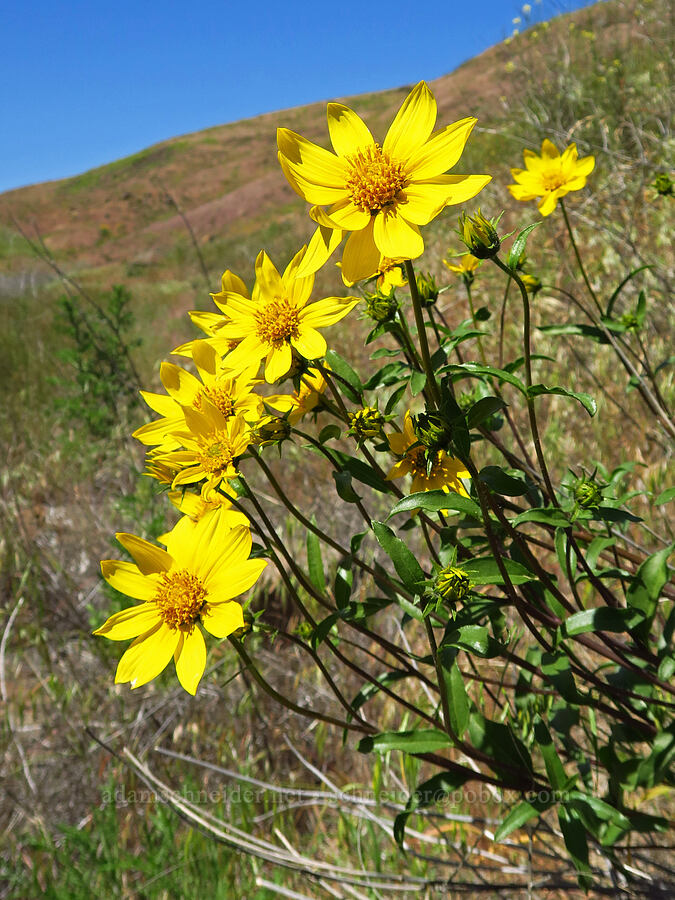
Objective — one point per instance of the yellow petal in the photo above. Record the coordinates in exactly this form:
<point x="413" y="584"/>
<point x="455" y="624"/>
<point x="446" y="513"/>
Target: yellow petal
<point x="129" y="623"/>
<point x="309" y="343"/>
<point x="360" y="258"/>
<point x="222" y="619"/>
<point x="179" y="384"/>
<point x="424" y="202"/>
<point x="147" y="656"/>
<point x="278" y="363"/>
<point x="190" y="659"/>
<point x="126" y="578"/>
<point x="584" y="166"/>
<point x="231" y="581"/>
<point x="307" y="189"/>
<point x="323" y="244"/>
<point x="318" y="166"/>
<point x="348" y="216"/>
<point x="413" y="124"/>
<point x="348" y="132"/>
<point x="148" y="557"/>
<point x="464" y="187"/>
<point x="548" y="149"/>
<point x="267" y="278"/>
<point x="441" y="152"/>
<point x="159" y="403"/>
<point x="327" y="311"/>
<point x="395" y="237"/>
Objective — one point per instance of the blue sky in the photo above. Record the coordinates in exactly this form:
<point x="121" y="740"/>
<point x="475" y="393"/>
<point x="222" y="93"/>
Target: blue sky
<point x="85" y="83"/>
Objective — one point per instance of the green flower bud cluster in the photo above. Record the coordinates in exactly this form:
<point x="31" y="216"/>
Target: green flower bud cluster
<point x="432" y="430"/>
<point x="366" y="423"/>
<point x="588" y="493"/>
<point x="453" y="584"/>
<point x="663" y="184"/>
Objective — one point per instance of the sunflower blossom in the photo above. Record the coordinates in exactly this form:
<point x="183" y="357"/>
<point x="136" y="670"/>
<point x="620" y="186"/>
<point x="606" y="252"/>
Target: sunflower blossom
<point x="212" y="445"/>
<point x="231" y="395"/>
<point x="443" y="474"/>
<point x="190" y="585"/>
<point x="379" y="193"/>
<point x="277" y="319"/>
<point x="551" y="175"/>
<point x="302" y="401"/>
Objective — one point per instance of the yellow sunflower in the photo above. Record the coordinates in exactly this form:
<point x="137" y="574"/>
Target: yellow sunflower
<point x="445" y="472"/>
<point x="231" y="395"/>
<point x="302" y="401"/>
<point x="194" y="507"/>
<point x="190" y="584"/>
<point x="212" y="445"/>
<point x="277" y="319"/>
<point x="466" y="267"/>
<point x="381" y="194"/>
<point x="551" y="175"/>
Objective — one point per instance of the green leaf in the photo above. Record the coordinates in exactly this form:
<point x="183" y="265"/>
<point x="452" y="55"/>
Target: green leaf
<point x="615" y="295"/>
<point x="329" y="432"/>
<point x="665" y="497"/>
<point x="477" y="370"/>
<point x="483" y="409"/>
<point x="418" y="381"/>
<point x="458" y="700"/>
<point x="362" y="472"/>
<point x="588" y="331"/>
<point x="433" y="501"/>
<point x="393" y="400"/>
<point x="498" y="741"/>
<point x="369" y="689"/>
<point x="485" y="570"/>
<point x="343" y="485"/>
<point x="347" y="377"/>
<point x="427" y="794"/>
<point x="526" y="810"/>
<point x="343" y="586"/>
<point x="600" y="618"/>
<point x="586" y="400"/>
<point x="518" y="246"/>
<point x="544" y="515"/>
<point x="471" y="638"/>
<point x="501" y="482"/>
<point x="554" y="768"/>
<point x="404" y="560"/>
<point x="420" y="741"/>
<point x="646" y="586"/>
<point x="574" y="836"/>
<point x="315" y="562"/>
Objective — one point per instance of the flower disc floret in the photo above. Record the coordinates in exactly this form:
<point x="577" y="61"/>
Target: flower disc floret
<point x="278" y="322"/>
<point x="180" y="598"/>
<point x="375" y="181"/>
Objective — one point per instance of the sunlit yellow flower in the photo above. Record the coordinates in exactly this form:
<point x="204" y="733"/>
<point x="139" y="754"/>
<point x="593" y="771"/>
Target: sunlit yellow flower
<point x="302" y="401"/>
<point x="194" y="507"/>
<point x="467" y="265"/>
<point x="212" y="446"/>
<point x="211" y="323"/>
<point x="551" y="175"/>
<point x="190" y="584"/>
<point x="445" y="472"/>
<point x="231" y="395"/>
<point x="277" y="319"/>
<point x="381" y="194"/>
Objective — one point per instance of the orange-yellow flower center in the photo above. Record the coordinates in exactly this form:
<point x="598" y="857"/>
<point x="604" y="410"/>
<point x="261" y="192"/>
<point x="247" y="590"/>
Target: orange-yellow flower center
<point x="553" y="179"/>
<point x="219" y="396"/>
<point x="180" y="597"/>
<point x="375" y="182"/>
<point x="216" y="453"/>
<point x="278" y="322"/>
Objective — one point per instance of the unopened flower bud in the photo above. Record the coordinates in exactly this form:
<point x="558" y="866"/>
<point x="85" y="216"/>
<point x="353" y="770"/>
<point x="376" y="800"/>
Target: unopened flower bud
<point x="663" y="184"/>
<point x="479" y="234"/>
<point x="587" y="493"/>
<point x="453" y="584"/>
<point x="381" y="307"/>
<point x="427" y="288"/>
<point x="366" y="423"/>
<point x="271" y="430"/>
<point x="432" y="430"/>
<point x="531" y="282"/>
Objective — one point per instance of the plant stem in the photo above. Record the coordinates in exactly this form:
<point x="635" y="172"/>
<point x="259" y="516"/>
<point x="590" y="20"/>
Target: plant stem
<point x="578" y="257"/>
<point x="434" y="393"/>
